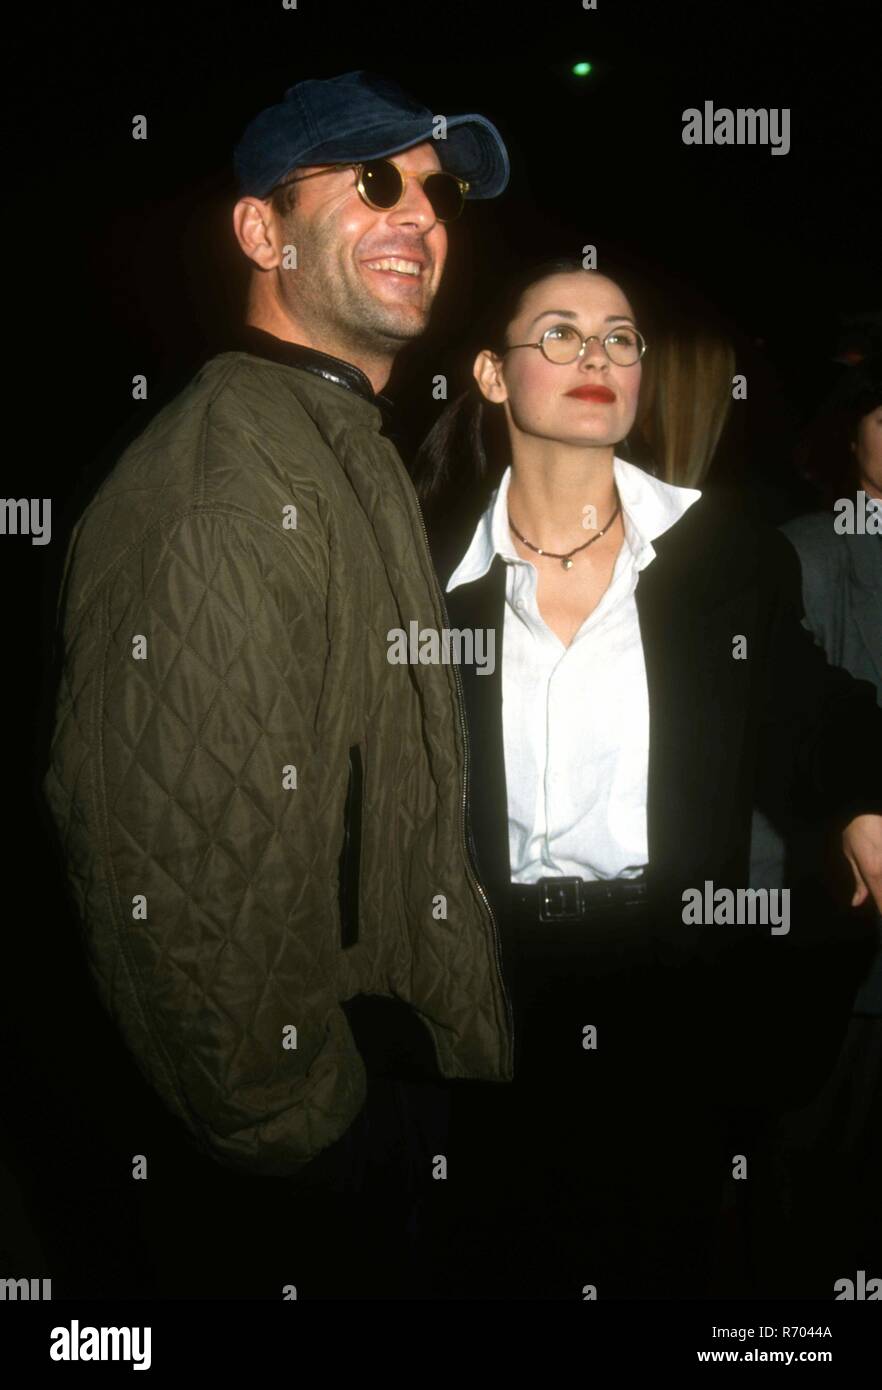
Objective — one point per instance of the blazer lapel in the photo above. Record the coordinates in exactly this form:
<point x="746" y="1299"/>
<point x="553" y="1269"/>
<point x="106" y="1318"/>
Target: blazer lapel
<point x="687" y="601"/>
<point x="667" y="628"/>
<point x="481" y="604"/>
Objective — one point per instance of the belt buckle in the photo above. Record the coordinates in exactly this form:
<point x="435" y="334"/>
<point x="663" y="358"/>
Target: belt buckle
<point x="560" y="899"/>
<point x="637" y="893"/>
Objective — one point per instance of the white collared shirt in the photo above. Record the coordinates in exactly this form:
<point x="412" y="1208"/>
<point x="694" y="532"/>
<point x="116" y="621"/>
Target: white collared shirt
<point x="576" y="719"/>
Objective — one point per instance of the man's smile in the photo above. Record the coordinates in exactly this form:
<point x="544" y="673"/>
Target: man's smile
<point x="405" y="275"/>
<point x="397" y="265"/>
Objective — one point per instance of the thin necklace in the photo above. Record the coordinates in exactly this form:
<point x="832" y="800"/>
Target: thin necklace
<point x="566" y="561"/>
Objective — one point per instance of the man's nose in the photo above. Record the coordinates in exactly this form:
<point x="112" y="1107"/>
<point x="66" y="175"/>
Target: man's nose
<point x="414" y="208"/>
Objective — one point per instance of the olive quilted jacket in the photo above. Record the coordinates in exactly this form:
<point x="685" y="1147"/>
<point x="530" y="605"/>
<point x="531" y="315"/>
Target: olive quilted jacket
<point x="226" y="710"/>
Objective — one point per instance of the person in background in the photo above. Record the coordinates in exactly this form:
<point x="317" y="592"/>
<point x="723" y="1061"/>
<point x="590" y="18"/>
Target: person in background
<point x="823" y="1161"/>
<point x="685" y="400"/>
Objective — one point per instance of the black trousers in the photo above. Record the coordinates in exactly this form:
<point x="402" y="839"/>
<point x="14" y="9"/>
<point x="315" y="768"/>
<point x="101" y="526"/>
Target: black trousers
<point x="602" y="1167"/>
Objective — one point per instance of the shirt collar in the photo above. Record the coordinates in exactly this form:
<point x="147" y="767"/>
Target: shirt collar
<point x="649" y="507"/>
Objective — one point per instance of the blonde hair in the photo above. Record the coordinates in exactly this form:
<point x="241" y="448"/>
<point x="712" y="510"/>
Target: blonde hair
<point x="685" y="396"/>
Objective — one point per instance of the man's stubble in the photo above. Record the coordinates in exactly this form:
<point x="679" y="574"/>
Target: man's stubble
<point x="327" y="295"/>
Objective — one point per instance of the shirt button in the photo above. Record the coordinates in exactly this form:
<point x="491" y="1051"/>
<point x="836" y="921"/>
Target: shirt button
<point x="519" y="603"/>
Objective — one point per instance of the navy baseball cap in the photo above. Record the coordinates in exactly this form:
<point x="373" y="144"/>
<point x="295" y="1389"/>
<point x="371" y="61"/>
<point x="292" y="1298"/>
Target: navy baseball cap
<point x="358" y="116"/>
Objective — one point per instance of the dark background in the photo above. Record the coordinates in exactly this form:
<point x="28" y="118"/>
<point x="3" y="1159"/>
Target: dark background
<point x="120" y="260"/>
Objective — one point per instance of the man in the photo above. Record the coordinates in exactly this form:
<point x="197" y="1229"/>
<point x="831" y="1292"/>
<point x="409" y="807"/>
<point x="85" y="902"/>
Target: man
<point x="262" y="816"/>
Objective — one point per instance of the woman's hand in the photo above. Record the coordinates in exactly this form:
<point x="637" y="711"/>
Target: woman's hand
<point x="862" y="844"/>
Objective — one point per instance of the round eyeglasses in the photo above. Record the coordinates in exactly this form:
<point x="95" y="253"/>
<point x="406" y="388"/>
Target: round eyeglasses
<point x="562" y="343"/>
<point x="381" y="184"/>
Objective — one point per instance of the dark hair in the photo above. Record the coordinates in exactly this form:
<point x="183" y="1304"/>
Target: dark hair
<point x="468" y="446"/>
<point x="866" y="399"/>
<point x="824" y="454"/>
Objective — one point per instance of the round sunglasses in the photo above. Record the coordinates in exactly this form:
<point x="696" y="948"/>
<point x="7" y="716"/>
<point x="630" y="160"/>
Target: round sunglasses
<point x="381" y="184"/>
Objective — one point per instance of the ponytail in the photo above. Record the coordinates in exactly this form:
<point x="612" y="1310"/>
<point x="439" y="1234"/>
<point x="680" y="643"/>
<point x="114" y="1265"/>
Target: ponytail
<point x="462" y="458"/>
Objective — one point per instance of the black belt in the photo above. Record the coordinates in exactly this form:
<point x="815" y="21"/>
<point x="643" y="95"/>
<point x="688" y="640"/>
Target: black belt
<point x="576" y="899"/>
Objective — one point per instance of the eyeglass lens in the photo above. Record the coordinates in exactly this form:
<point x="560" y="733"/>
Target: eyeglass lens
<point x="562" y="344"/>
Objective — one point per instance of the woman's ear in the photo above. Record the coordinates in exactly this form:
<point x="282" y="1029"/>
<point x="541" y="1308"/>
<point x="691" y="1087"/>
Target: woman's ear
<point x="487" y="372"/>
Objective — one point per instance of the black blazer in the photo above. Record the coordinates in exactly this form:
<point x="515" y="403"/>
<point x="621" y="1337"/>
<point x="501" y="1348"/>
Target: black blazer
<point x="781" y="729"/>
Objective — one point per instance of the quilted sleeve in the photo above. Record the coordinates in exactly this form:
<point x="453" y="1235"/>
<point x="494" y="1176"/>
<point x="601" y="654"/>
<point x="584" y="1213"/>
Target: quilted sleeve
<point x="198" y="823"/>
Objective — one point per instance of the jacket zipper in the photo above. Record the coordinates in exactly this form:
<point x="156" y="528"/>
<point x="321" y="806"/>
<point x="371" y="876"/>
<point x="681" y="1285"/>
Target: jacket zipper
<point x="460" y="706"/>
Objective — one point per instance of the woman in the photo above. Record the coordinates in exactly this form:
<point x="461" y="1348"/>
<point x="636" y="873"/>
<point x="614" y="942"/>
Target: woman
<point x="651" y="678"/>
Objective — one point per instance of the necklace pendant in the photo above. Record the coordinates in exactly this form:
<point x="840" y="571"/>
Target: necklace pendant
<point x="566" y="563"/>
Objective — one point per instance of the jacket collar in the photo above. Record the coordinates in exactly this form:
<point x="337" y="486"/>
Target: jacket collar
<point x="259" y="343"/>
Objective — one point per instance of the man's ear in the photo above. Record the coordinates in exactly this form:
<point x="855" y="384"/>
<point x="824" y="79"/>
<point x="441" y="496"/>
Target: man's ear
<point x="487" y="372"/>
<point x="254" y="224"/>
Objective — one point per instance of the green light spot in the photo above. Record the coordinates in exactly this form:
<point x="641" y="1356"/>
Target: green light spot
<point x="581" y="69"/>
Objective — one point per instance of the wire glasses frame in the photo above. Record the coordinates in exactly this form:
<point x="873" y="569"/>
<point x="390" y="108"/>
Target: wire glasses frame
<point x="625" y="357"/>
<point x="462" y="185"/>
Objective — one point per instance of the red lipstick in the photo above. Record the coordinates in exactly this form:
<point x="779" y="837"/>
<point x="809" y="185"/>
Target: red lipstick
<point x="593" y="393"/>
